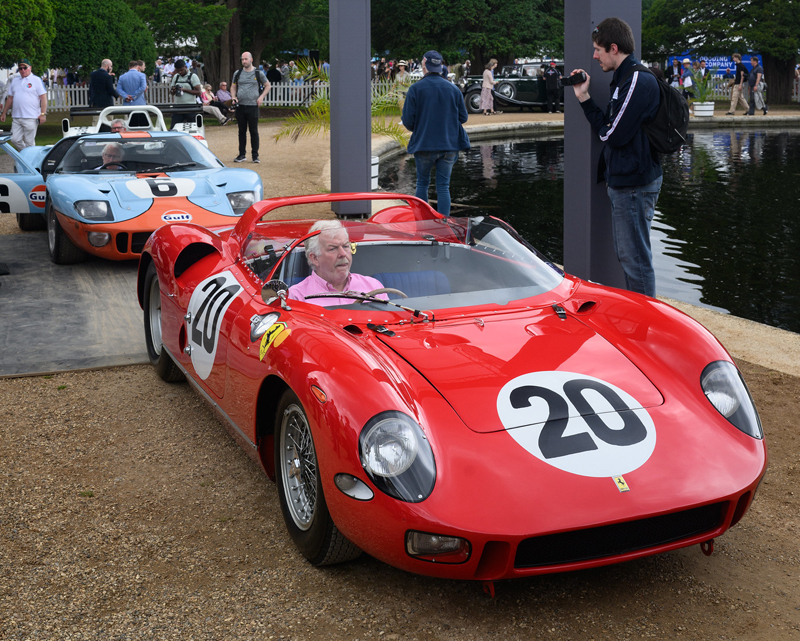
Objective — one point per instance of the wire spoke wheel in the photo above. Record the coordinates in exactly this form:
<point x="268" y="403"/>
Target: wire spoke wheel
<point x="299" y="467"/>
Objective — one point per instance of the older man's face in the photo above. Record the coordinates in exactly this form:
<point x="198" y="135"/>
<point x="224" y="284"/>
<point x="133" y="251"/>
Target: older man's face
<point x="24" y="70"/>
<point x="332" y="264"/>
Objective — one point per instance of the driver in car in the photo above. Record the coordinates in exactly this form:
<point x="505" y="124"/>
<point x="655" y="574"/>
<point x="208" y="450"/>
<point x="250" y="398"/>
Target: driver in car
<point x="330" y="256"/>
<point x="112" y="156"/>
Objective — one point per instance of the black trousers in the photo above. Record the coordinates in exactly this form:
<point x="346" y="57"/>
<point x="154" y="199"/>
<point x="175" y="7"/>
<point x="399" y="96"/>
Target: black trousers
<point x="247" y="118"/>
<point x="552" y="100"/>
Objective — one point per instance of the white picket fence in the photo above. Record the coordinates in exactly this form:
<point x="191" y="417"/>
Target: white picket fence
<point x="285" y="94"/>
<point x="281" y="94"/>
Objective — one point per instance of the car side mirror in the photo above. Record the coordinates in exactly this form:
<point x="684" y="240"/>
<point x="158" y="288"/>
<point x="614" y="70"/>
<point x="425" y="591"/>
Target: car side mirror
<point x="275" y="290"/>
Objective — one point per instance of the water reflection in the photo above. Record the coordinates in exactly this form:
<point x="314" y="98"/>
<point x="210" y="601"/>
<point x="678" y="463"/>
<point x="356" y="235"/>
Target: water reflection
<point x="727" y="235"/>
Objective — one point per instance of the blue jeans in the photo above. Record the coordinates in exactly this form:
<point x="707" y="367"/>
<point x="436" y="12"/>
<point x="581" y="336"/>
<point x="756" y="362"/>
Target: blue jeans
<point x="632" y="210"/>
<point x="444" y="161"/>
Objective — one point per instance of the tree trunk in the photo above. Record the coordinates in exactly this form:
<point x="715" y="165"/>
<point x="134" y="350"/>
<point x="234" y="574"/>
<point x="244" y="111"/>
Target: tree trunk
<point x="223" y="60"/>
<point x="779" y="76"/>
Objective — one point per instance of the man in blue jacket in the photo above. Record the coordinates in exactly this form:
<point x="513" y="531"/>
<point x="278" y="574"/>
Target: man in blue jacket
<point x="631" y="169"/>
<point x="433" y="112"/>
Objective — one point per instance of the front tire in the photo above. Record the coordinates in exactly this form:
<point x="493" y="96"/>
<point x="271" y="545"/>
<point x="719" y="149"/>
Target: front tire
<point x="300" y="489"/>
<point x="159" y="358"/>
<point x="31" y="222"/>
<point x="473" y="99"/>
<point x="62" y="250"/>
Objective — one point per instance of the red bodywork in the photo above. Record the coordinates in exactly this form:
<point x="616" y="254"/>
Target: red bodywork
<point x="447" y="374"/>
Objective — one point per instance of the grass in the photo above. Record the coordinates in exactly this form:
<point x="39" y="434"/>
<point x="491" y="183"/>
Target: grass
<point x="61" y="387"/>
<point x="87" y="493"/>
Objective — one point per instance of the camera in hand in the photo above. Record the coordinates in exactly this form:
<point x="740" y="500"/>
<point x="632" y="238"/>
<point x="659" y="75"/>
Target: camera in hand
<point x="575" y="79"/>
<point x="177" y="90"/>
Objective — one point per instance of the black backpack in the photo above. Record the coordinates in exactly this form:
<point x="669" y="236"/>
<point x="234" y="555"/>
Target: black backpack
<point x="259" y="76"/>
<point x="668" y="130"/>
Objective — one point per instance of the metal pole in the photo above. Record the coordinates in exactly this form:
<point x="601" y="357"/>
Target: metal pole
<point x="351" y="95"/>
<point x="588" y="242"/>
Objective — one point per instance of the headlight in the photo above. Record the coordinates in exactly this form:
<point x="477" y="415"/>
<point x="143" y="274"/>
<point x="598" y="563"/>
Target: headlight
<point x="724" y="386"/>
<point x="397" y="457"/>
<point x="94" y="209"/>
<point x="241" y="200"/>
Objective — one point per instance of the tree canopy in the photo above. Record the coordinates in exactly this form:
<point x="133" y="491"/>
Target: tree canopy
<point x="502" y="29"/>
<point x="90" y="30"/>
<point x="27" y="31"/>
<point x="769" y="27"/>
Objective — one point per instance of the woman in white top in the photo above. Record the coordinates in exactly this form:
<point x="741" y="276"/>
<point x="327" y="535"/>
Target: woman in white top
<point x="487" y="102"/>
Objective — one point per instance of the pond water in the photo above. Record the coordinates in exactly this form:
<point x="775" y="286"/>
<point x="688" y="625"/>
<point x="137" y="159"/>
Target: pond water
<point x="727" y="227"/>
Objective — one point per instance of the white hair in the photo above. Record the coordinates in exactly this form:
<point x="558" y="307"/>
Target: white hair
<point x="312" y="244"/>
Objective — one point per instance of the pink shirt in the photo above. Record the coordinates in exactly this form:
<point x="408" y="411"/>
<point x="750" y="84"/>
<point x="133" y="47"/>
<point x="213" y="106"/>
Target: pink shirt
<point x="316" y="285"/>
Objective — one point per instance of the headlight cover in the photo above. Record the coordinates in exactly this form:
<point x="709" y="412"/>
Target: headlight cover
<point x="397" y="457"/>
<point x="725" y="388"/>
<point x="94" y="209"/>
<point x="241" y="200"/>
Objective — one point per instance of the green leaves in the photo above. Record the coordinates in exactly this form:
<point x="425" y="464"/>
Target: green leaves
<point x="316" y="119"/>
<point x="27" y="30"/>
<point x="90" y="30"/>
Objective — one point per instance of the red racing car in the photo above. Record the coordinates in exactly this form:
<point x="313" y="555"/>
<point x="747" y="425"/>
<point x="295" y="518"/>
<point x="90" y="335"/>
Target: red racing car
<point x="478" y="415"/>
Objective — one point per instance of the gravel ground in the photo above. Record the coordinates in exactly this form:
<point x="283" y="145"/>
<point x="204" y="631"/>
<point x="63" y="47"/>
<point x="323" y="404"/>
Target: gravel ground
<point x="127" y="512"/>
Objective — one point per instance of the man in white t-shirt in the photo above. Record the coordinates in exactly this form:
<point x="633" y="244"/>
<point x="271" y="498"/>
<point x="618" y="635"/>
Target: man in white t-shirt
<point x="27" y="102"/>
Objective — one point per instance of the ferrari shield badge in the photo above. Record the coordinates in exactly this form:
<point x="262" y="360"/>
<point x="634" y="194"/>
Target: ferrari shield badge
<point x="275" y="335"/>
<point x="621" y="484"/>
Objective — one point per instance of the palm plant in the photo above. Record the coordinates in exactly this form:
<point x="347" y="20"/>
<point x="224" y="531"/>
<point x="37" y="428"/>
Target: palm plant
<point x="316" y="119"/>
<point x="703" y="88"/>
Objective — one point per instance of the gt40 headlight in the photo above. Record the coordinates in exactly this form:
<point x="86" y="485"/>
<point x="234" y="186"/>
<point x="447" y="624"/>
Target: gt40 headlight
<point x="397" y="457"/>
<point x="724" y="386"/>
<point x="94" y="209"/>
<point x="241" y="200"/>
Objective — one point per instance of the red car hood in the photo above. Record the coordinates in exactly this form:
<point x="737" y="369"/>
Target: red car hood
<point x="478" y="363"/>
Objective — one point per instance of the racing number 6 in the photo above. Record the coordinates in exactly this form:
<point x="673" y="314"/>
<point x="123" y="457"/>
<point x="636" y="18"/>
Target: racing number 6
<point x="207" y="336"/>
<point x="552" y="441"/>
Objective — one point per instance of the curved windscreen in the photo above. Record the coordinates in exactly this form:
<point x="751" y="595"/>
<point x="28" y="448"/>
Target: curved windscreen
<point x="146" y="154"/>
<point x="437" y="264"/>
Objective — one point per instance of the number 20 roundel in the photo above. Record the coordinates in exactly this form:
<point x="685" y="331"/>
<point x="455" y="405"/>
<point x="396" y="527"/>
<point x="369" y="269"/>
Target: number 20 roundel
<point x="577" y="423"/>
<point x="207" y="307"/>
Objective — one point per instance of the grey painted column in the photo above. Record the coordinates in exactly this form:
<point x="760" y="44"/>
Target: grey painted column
<point x="351" y="93"/>
<point x="588" y="242"/>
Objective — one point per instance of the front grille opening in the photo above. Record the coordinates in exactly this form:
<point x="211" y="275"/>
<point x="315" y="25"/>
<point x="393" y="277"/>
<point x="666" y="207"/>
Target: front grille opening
<point x="138" y="240"/>
<point x="122" y="242"/>
<point x="619" y="538"/>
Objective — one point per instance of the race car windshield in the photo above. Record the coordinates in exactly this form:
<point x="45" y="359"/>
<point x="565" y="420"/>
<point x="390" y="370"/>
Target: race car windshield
<point x="437" y="264"/>
<point x="141" y="155"/>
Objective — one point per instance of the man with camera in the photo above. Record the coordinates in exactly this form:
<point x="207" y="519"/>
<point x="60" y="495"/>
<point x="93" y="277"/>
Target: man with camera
<point x="631" y="169"/>
<point x="185" y="87"/>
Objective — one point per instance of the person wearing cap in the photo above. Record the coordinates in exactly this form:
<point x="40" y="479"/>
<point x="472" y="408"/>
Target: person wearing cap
<point x="434" y="113"/>
<point x="185" y="88"/>
<point x="101" y="86"/>
<point x="27" y="102"/>
<point x="551" y="78"/>
<point x="630" y="168"/>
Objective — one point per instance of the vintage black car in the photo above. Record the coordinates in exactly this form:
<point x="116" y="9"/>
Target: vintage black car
<point x="520" y="85"/>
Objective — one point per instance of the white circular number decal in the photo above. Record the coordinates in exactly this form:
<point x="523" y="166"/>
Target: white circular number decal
<point x="161" y="187"/>
<point x="207" y="308"/>
<point x="577" y="423"/>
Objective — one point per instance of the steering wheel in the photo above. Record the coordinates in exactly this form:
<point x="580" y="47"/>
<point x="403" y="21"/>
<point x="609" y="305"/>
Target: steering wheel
<point x="114" y="164"/>
<point x="387" y="290"/>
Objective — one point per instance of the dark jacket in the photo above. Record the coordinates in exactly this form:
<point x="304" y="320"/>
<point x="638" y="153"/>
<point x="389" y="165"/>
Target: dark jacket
<point x="101" y="89"/>
<point x="627" y="160"/>
<point x="433" y="112"/>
